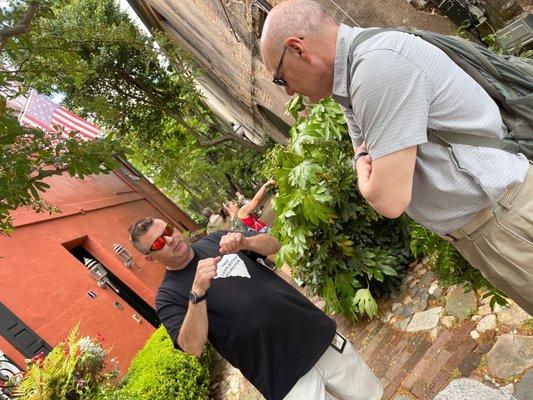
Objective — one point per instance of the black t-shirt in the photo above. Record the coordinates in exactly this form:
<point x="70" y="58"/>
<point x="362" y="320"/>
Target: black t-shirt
<point x="257" y="321"/>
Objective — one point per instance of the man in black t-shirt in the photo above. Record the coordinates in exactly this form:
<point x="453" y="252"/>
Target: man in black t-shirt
<point x="217" y="289"/>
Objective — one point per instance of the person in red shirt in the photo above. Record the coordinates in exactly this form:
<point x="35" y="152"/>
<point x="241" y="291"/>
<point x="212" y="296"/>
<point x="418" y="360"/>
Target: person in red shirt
<point x="246" y="213"/>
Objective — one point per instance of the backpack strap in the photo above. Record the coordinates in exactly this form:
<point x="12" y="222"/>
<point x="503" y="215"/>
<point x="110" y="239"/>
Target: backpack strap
<point x="367" y="34"/>
<point x="436" y="136"/>
<point x="464" y="65"/>
<point x="443" y="138"/>
<point x="447" y="138"/>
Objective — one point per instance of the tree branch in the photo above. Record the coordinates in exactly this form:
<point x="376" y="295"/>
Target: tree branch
<point x="46" y="173"/>
<point x="22" y="27"/>
<point x="233" y="138"/>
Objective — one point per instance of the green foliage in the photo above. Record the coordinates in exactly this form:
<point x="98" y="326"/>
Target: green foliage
<point x="142" y="90"/>
<point x="28" y="156"/>
<point x="74" y="369"/>
<point x="494" y="45"/>
<point x="450" y="266"/>
<point x="159" y="372"/>
<point x="331" y="237"/>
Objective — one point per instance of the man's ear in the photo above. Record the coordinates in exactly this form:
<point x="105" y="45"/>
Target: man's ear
<point x="301" y="48"/>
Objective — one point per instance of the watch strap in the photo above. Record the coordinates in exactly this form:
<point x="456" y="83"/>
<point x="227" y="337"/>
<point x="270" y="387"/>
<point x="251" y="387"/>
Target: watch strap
<point x="195" y="298"/>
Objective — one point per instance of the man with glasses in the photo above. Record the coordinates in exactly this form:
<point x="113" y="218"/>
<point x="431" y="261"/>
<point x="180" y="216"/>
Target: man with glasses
<point x="217" y="289"/>
<point x="394" y="88"/>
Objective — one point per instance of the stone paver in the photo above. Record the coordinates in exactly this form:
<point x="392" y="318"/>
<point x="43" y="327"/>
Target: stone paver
<point x="425" y="320"/>
<point x="524" y="389"/>
<point x="470" y="389"/>
<point x="427" y="278"/>
<point x="511" y="355"/>
<point x="513" y="316"/>
<point x="486" y="323"/>
<point x="460" y="302"/>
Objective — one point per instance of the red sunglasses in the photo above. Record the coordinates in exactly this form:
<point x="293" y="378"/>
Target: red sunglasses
<point x="160" y="242"/>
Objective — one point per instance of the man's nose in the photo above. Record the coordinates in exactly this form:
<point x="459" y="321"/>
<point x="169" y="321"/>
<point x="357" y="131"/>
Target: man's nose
<point x="169" y="239"/>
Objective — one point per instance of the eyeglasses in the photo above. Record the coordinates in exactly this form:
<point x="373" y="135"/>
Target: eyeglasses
<point x="160" y="242"/>
<point x="275" y="78"/>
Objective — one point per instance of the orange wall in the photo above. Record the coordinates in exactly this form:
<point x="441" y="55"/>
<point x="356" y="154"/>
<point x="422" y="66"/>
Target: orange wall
<point x="46" y="287"/>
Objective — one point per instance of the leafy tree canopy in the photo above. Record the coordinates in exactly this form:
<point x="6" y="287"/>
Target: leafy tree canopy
<point x="111" y="73"/>
<point x="29" y="156"/>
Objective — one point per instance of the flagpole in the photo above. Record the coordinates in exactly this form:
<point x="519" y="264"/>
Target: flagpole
<point x="26" y="105"/>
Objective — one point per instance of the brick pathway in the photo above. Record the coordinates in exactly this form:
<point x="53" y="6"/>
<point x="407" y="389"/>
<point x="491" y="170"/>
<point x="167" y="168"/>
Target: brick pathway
<point x="412" y="363"/>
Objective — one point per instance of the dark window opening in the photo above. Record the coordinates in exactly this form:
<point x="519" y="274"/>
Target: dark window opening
<point x="260" y="10"/>
<point x="19" y="335"/>
<point x="124" y="292"/>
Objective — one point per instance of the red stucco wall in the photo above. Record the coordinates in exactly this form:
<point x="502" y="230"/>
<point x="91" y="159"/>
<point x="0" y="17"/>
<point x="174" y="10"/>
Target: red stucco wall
<point x="46" y="286"/>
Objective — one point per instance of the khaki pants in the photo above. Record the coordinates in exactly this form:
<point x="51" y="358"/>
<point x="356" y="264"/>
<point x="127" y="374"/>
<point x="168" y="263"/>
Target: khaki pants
<point x="345" y="376"/>
<point x="503" y="250"/>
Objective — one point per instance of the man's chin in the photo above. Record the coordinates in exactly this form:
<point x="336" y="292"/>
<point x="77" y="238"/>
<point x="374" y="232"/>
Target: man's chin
<point x="315" y="99"/>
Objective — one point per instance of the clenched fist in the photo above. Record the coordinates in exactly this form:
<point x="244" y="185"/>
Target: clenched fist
<point x="205" y="272"/>
<point x="233" y="242"/>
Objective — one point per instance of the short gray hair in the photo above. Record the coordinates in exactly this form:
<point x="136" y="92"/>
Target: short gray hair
<point x="299" y="18"/>
<point x="137" y="230"/>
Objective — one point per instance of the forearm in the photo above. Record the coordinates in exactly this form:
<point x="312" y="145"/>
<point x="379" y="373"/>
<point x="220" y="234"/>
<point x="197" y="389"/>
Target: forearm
<point x="263" y="244"/>
<point x="193" y="332"/>
<point x="381" y="201"/>
<point x="389" y="199"/>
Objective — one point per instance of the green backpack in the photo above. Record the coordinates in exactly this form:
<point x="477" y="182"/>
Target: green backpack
<point x="507" y="79"/>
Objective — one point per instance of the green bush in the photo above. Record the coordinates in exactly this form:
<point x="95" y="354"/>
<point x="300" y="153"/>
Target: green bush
<point x="159" y="372"/>
<point x="331" y="237"/>
<point x="450" y="267"/>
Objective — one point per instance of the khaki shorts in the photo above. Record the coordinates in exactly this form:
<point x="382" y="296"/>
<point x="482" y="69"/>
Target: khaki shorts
<point x="503" y="249"/>
<point x="342" y="375"/>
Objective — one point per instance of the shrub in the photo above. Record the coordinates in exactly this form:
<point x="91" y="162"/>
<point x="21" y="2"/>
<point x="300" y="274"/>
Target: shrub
<point x="450" y="267"/>
<point x="159" y="372"/>
<point x="74" y="369"/>
<point x="331" y="237"/>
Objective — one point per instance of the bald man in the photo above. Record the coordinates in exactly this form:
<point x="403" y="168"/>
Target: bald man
<point x="393" y="88"/>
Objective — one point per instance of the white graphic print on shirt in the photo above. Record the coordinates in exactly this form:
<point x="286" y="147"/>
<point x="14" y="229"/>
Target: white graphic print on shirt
<point x="231" y="265"/>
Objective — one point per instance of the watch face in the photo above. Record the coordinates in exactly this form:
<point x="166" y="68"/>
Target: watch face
<point x="192" y="297"/>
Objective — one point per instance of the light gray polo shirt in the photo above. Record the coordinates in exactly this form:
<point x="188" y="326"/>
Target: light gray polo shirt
<point x="395" y="87"/>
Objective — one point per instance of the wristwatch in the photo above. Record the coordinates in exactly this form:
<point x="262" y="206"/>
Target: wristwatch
<point x="357" y="157"/>
<point x="194" y="298"/>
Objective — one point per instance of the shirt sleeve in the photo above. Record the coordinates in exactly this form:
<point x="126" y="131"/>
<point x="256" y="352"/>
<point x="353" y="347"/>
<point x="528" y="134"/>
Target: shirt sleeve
<point x="391" y="97"/>
<point x="172" y="314"/>
<point x="353" y="129"/>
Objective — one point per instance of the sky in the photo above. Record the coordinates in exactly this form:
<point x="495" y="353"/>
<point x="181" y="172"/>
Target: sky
<point x="124" y="5"/>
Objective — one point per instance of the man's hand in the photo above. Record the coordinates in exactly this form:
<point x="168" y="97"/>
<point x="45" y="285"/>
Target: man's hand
<point x="205" y="272"/>
<point x="363" y="167"/>
<point x="233" y="242"/>
<point x="271" y="181"/>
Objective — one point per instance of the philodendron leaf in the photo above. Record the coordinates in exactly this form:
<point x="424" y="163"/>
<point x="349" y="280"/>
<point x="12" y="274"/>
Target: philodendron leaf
<point x="304" y="174"/>
<point x="365" y="303"/>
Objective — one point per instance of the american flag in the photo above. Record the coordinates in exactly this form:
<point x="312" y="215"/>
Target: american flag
<point x="43" y="113"/>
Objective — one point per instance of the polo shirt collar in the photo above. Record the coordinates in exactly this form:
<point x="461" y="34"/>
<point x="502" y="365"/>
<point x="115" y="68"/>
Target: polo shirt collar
<point x="341" y="84"/>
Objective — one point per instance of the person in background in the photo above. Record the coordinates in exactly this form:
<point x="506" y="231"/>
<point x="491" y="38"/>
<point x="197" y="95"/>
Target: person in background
<point x="246" y="213"/>
<point x="217" y="221"/>
<point x="242" y="200"/>
<point x="216" y="290"/>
